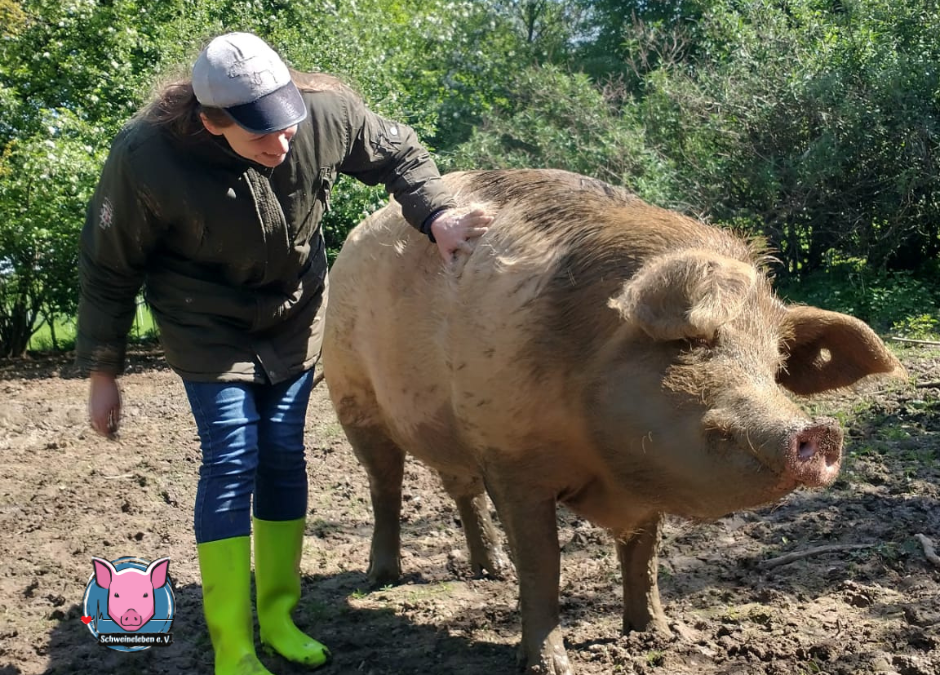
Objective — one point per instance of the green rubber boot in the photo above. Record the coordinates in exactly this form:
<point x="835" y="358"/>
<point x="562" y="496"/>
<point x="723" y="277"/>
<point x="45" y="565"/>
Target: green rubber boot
<point x="278" y="545"/>
<point x="225" y="566"/>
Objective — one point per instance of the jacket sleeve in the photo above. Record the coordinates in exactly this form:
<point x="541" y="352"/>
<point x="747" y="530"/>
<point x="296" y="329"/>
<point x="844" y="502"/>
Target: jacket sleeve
<point x="383" y="151"/>
<point x="116" y="240"/>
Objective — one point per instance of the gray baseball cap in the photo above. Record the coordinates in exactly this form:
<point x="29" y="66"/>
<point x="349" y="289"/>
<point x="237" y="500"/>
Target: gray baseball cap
<point x="242" y="75"/>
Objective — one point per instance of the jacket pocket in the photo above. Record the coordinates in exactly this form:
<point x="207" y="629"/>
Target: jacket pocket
<point x="392" y="133"/>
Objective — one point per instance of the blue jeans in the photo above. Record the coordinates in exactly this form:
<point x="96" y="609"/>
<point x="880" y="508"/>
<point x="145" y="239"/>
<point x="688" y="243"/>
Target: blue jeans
<point x="252" y="438"/>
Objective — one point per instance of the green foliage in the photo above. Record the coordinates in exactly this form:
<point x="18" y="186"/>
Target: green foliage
<point x="434" y="64"/>
<point x="438" y="65"/>
<point x="430" y="64"/>
<point x="355" y="203"/>
<point x="901" y="301"/>
<point x="655" y="658"/>
<point x="45" y="183"/>
<point x="632" y="38"/>
<point x="917" y="326"/>
<point x="60" y="333"/>
<point x="12" y="18"/>
<point x="71" y="73"/>
<point x="813" y="122"/>
<point x="561" y="120"/>
<point x="810" y="123"/>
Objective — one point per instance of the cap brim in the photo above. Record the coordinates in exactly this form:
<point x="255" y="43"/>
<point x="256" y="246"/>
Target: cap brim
<point x="278" y="110"/>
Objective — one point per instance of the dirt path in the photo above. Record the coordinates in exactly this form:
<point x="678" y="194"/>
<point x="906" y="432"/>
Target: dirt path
<point x="65" y="496"/>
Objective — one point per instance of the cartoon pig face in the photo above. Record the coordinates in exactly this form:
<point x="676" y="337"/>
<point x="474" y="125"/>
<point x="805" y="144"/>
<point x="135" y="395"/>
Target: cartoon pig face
<point x="130" y="591"/>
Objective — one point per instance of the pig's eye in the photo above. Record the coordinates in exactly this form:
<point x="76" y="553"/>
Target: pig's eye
<point x="146" y="595"/>
<point x="117" y="595"/>
<point x="701" y="342"/>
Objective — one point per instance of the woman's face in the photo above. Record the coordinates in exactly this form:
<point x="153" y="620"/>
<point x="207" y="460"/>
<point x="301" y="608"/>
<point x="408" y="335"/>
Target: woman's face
<point x="265" y="149"/>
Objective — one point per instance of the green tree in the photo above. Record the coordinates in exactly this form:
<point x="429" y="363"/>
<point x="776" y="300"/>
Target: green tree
<point x="562" y="120"/>
<point x="630" y="38"/>
<point x="812" y="123"/>
<point x="71" y="73"/>
<point x="45" y="184"/>
<point x="437" y="65"/>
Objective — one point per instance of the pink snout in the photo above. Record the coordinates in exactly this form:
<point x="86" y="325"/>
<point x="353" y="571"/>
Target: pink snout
<point x="814" y="454"/>
<point x="131" y="620"/>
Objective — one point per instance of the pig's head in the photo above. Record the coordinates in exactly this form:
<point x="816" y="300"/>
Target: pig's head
<point x="130" y="591"/>
<point x="694" y="390"/>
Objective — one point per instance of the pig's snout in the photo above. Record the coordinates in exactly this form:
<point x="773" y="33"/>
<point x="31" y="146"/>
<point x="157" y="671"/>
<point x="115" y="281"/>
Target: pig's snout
<point x="130" y="620"/>
<point x="815" y="453"/>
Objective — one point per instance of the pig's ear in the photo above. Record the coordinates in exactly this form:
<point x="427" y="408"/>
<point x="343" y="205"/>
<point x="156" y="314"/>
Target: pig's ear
<point x="686" y="295"/>
<point x="104" y="572"/>
<point x="827" y="350"/>
<point x="157" y="571"/>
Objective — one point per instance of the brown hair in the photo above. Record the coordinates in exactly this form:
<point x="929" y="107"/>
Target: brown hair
<point x="174" y="105"/>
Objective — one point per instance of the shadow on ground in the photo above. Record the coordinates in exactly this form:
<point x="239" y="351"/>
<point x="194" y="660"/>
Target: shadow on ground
<point x="324" y="612"/>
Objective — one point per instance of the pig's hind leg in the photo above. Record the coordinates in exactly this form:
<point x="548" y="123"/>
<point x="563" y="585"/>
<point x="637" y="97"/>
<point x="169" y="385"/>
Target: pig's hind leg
<point x="384" y="463"/>
<point x="486" y="555"/>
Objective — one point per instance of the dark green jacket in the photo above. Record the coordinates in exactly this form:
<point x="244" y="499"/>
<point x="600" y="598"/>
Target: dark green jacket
<point x="230" y="253"/>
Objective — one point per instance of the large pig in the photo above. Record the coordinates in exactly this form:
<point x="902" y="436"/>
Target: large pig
<point x="593" y="350"/>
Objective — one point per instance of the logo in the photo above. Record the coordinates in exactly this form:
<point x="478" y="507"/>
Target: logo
<point x="129" y="603"/>
<point x="106" y="216"/>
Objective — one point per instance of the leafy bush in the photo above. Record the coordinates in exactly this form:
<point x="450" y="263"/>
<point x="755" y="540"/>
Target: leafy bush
<point x="810" y="123"/>
<point x="897" y="301"/>
<point x="561" y="120"/>
<point x="45" y="183"/>
<point x="815" y="122"/>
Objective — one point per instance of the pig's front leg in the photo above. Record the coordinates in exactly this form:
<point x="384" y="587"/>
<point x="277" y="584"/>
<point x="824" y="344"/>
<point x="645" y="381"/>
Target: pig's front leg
<point x="639" y="565"/>
<point x="533" y="536"/>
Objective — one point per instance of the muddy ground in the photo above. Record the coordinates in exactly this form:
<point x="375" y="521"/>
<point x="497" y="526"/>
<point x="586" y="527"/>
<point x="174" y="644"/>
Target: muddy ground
<point x="66" y="495"/>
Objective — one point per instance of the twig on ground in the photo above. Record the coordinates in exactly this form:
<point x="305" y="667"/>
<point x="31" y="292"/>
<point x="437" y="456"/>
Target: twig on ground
<point x="799" y="555"/>
<point x="929" y="551"/>
<point x="916" y="342"/>
<point x="927" y="385"/>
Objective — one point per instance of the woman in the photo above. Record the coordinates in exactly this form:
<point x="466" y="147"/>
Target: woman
<point x="211" y="198"/>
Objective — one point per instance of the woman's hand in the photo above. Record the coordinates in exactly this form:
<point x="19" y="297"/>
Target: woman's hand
<point x="453" y="232"/>
<point x="104" y="404"/>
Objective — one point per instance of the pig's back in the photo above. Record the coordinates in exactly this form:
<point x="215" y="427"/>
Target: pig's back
<point x="482" y="352"/>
